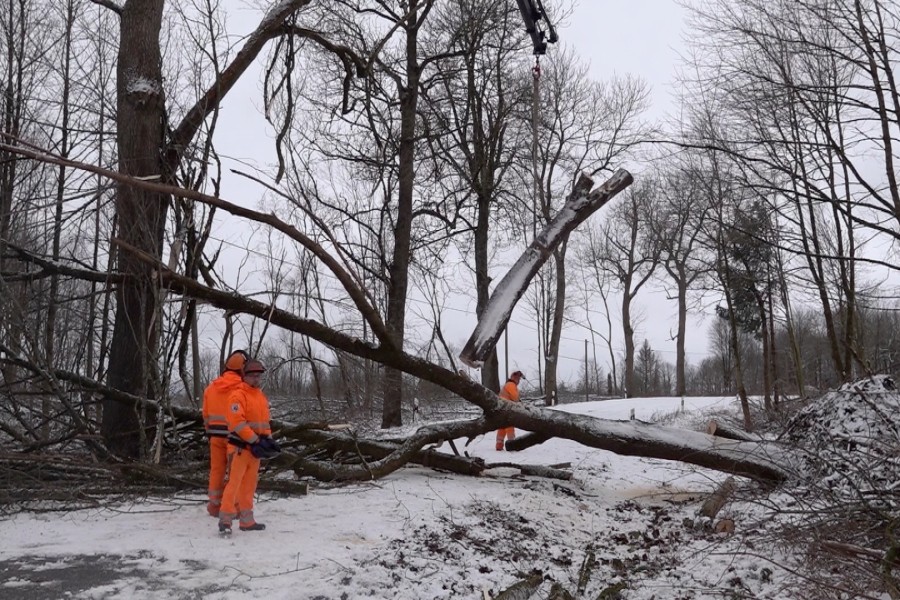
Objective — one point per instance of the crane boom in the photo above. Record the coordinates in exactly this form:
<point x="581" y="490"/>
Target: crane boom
<point x="532" y="14"/>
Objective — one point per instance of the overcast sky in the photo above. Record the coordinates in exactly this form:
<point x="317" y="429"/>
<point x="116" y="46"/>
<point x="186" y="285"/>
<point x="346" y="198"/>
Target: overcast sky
<point x="637" y="37"/>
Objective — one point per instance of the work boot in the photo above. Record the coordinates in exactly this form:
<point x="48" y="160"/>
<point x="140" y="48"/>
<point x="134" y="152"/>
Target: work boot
<point x="254" y="527"/>
<point x="224" y="528"/>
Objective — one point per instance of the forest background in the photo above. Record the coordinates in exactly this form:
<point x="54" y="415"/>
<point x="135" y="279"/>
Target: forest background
<point x="412" y="158"/>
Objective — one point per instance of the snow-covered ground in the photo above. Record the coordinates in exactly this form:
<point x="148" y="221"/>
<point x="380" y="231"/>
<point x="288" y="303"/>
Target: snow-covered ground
<point x="420" y="534"/>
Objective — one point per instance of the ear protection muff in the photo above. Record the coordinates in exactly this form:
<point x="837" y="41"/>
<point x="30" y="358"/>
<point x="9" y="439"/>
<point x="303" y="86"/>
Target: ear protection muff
<point x="236" y="361"/>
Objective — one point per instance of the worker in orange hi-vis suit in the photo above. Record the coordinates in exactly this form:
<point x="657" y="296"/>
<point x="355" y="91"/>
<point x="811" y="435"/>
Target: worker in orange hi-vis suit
<point x="215" y="407"/>
<point x="509" y="392"/>
<point x="249" y="440"/>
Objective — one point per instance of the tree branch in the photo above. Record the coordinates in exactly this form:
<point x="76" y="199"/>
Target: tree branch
<point x="271" y="26"/>
<point x="110" y="5"/>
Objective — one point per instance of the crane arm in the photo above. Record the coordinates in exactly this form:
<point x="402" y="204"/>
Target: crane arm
<point x="532" y="14"/>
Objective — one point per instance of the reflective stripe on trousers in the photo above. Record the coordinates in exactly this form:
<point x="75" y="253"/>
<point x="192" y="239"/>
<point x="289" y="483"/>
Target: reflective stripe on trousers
<point x="218" y="459"/>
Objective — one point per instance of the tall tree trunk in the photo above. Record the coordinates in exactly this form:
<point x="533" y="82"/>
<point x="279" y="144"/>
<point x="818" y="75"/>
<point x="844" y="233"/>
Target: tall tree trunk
<point x="628" y="334"/>
<point x="766" y="347"/>
<point x="680" y="357"/>
<point x="490" y="370"/>
<point x="50" y="325"/>
<point x="552" y="354"/>
<point x="141" y="221"/>
<point x="773" y="354"/>
<point x="733" y="339"/>
<point x="12" y="294"/>
<point x="399" y="269"/>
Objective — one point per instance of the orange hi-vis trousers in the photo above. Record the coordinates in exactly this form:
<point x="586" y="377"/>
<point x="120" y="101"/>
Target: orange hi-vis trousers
<point x="507" y="433"/>
<point x="243" y="474"/>
<point x="218" y="460"/>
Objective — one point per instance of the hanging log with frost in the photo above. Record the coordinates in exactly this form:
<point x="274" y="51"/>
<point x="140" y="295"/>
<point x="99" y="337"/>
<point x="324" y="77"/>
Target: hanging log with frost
<point x="580" y="205"/>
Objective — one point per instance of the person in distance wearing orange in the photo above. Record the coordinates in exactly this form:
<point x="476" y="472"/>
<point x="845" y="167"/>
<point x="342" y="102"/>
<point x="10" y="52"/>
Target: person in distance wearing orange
<point x="509" y="392"/>
<point x="249" y="440"/>
<point x="215" y="407"/>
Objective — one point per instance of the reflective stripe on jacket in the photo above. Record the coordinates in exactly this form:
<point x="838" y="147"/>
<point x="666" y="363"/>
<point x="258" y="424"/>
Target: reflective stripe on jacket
<point x="248" y="416"/>
<point x="215" y="403"/>
<point x="510" y="391"/>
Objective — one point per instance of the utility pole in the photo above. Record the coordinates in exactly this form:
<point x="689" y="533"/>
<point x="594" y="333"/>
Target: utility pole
<point x="505" y="353"/>
<point x="585" y="371"/>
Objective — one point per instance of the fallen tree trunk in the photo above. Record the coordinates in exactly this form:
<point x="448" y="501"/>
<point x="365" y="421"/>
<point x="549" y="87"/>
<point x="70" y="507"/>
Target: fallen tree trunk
<point x="379" y="458"/>
<point x="759" y="460"/>
<point x="528" y="440"/>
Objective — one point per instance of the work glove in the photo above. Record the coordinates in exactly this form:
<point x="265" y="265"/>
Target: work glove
<point x="265" y="447"/>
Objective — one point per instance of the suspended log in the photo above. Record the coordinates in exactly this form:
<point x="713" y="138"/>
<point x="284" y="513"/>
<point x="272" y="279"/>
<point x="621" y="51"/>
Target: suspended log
<point x="580" y="204"/>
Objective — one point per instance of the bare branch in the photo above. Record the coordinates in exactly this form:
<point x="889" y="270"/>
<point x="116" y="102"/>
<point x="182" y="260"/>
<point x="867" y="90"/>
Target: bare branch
<point x="110" y="5"/>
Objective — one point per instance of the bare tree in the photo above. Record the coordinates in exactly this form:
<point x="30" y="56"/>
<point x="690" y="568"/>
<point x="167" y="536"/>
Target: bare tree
<point x="626" y="251"/>
<point x="469" y="116"/>
<point x="678" y="224"/>
<point x="809" y="95"/>
<point x="146" y="149"/>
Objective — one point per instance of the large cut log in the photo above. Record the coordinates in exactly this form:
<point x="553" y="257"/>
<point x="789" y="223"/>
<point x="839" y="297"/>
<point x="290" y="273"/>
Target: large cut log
<point x="717" y="500"/>
<point x="720" y="429"/>
<point x="526" y="441"/>
<point x="760" y="460"/>
<point x="549" y="472"/>
<point x="581" y="204"/>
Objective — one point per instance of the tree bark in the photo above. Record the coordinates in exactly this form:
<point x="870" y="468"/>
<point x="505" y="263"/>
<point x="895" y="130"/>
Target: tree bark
<point x="141" y="220"/>
<point x="399" y="268"/>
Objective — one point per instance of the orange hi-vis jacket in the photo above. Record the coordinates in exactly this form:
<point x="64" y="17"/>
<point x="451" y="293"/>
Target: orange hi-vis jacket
<point x="248" y="416"/>
<point x="510" y="391"/>
<point x="215" y="403"/>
